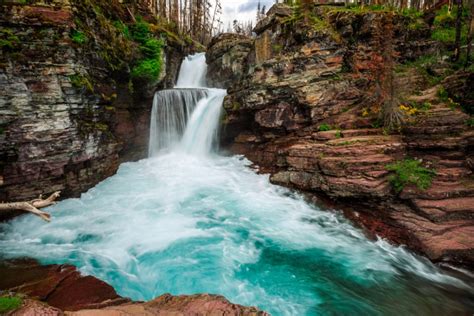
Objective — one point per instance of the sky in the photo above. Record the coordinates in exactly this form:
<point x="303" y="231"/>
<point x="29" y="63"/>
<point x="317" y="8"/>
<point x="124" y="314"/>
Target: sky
<point x="242" y="10"/>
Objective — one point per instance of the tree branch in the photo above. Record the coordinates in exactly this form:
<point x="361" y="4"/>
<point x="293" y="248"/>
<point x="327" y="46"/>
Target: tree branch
<point x="32" y="206"/>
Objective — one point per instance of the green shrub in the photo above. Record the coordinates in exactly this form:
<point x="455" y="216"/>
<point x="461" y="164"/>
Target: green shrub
<point x="443" y="94"/>
<point x="140" y="31"/>
<point x="78" y="37"/>
<point x="8" y="303"/>
<point x="152" y="48"/>
<point x="324" y="127"/>
<point x="122" y="28"/>
<point x="444" y="26"/>
<point x="148" y="69"/>
<point x="410" y="171"/>
<point x="8" y="39"/>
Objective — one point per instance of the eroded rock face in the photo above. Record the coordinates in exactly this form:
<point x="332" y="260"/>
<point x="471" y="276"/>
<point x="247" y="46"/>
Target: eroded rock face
<point x="305" y="80"/>
<point x="67" y="116"/>
<point x="61" y="286"/>
<point x="227" y="59"/>
<point x="65" y="289"/>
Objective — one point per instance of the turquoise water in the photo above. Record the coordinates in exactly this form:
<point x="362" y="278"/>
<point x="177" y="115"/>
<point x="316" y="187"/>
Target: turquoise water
<point x="187" y="224"/>
<point x="188" y="221"/>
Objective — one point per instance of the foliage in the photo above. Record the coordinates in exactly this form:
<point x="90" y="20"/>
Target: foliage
<point x="410" y="171"/>
<point x="442" y="94"/>
<point x="147" y="69"/>
<point x="152" y="48"/>
<point x="80" y="81"/>
<point x="8" y="40"/>
<point x="9" y="303"/>
<point x="445" y="28"/>
<point x="140" y="31"/>
<point x="122" y="28"/>
<point x="470" y="122"/>
<point x="338" y="134"/>
<point x="324" y="127"/>
<point x="78" y="37"/>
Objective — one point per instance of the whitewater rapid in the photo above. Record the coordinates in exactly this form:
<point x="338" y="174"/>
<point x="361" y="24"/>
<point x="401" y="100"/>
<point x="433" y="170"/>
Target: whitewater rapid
<point x="187" y="220"/>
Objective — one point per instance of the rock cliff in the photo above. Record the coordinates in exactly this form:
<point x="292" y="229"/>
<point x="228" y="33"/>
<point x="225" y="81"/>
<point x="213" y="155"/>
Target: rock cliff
<point x="70" y="109"/>
<point x="306" y="109"/>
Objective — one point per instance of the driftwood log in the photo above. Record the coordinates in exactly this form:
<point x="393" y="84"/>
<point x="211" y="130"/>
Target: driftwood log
<point x="32" y="206"/>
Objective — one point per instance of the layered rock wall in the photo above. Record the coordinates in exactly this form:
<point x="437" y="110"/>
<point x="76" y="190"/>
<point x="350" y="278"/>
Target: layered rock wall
<point x="69" y="112"/>
<point x="307" y="110"/>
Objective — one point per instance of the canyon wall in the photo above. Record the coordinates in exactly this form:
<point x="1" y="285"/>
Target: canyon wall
<point x="69" y="109"/>
<point x="306" y="109"/>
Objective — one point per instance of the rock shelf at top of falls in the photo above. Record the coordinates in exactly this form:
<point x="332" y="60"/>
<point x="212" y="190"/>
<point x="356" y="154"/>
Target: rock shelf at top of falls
<point x="188" y="220"/>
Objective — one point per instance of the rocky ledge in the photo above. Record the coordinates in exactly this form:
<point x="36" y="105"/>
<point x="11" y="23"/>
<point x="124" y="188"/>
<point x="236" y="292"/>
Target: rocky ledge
<point x="62" y="290"/>
<point x="307" y="107"/>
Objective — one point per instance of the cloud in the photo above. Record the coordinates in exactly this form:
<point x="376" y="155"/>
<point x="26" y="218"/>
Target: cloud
<point x="242" y="10"/>
<point x="251" y="5"/>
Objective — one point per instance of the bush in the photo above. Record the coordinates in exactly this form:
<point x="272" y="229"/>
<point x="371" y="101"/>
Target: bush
<point x="140" y="31"/>
<point x="152" y="48"/>
<point x="444" y="26"/>
<point x="324" y="127"/>
<point x="410" y="171"/>
<point x="9" y="303"/>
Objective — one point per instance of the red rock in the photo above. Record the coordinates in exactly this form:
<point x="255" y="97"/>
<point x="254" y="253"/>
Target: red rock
<point x="61" y="286"/>
<point x="183" y="305"/>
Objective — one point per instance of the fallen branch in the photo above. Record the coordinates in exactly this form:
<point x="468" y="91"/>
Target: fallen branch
<point x="32" y="206"/>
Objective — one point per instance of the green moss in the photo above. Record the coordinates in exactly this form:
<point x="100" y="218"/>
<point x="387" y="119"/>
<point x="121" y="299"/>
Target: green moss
<point x="410" y="171"/>
<point x="122" y="28"/>
<point x="277" y="48"/>
<point x="9" y="303"/>
<point x="81" y="82"/>
<point x="140" y="31"/>
<point x="8" y="40"/>
<point x="470" y="122"/>
<point x="152" y="48"/>
<point x="148" y="69"/>
<point x="338" y="134"/>
<point x="324" y="127"/>
<point x="78" y="37"/>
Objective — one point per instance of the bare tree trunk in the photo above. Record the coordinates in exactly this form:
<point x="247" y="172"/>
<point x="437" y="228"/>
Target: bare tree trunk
<point x="457" y="42"/>
<point x="32" y="206"/>
<point x="469" y="33"/>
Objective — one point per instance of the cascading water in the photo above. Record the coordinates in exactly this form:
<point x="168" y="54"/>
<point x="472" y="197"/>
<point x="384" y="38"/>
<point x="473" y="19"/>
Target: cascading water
<point x="172" y="110"/>
<point x="169" y="115"/>
<point x="185" y="222"/>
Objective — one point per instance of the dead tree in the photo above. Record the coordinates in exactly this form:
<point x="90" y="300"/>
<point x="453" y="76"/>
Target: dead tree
<point x="32" y="206"/>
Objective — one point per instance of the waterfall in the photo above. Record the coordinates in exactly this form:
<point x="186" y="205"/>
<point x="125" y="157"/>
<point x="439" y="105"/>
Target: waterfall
<point x="186" y="118"/>
<point x="193" y="71"/>
<point x="171" y="110"/>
